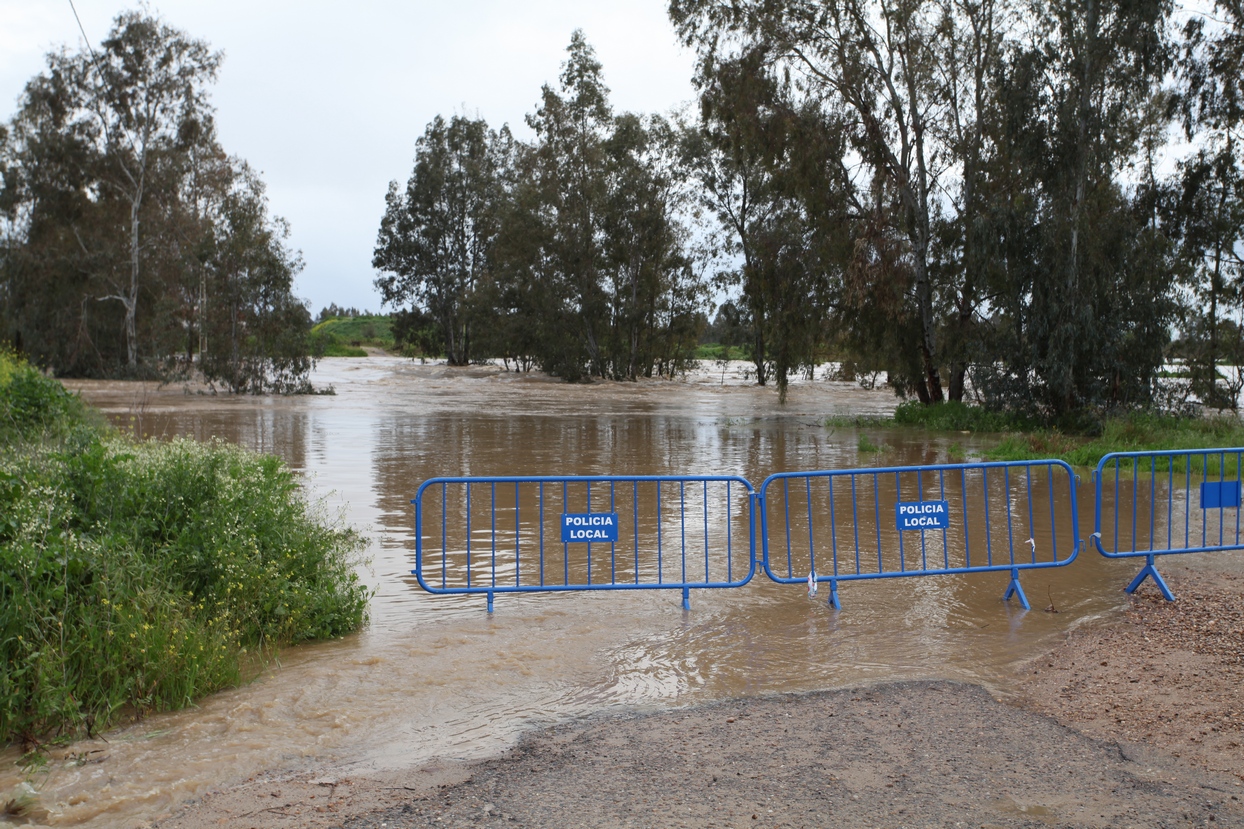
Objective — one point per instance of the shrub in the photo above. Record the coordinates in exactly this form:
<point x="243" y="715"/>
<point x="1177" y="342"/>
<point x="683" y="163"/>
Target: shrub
<point x="137" y="576"/>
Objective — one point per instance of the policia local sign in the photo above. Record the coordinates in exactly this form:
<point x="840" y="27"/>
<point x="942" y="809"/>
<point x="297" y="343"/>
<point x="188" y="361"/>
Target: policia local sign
<point x="922" y="515"/>
<point x="589" y="526"/>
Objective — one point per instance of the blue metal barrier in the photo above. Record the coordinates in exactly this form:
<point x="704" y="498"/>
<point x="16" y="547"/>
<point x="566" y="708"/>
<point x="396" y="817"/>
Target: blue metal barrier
<point x="848" y="525"/>
<point x="531" y="534"/>
<point x="1165" y="503"/>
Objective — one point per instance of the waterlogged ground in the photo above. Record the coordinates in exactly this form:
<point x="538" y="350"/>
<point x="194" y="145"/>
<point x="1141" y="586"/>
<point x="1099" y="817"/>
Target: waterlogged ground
<point x="437" y="677"/>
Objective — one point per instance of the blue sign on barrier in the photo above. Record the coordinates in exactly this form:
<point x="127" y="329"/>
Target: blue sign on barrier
<point x="1220" y="494"/>
<point x="1165" y="503"/>
<point x="589" y="526"/>
<point x="922" y="515"/>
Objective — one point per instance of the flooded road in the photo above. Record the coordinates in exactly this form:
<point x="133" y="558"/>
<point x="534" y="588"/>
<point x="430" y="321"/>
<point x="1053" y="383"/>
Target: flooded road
<point x="436" y="676"/>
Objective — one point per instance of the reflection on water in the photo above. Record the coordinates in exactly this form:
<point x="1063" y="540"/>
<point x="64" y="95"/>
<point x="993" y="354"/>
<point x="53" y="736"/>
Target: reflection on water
<point x="436" y="676"/>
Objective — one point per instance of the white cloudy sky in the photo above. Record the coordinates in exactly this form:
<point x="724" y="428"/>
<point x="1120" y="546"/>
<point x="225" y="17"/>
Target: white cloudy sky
<point x="327" y="98"/>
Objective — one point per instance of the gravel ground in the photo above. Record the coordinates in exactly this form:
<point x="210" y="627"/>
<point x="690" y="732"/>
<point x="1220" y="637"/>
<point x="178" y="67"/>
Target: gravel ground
<point x="1131" y="723"/>
<point x="902" y="754"/>
<point x="1169" y="675"/>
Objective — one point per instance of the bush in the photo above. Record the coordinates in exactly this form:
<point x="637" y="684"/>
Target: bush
<point x="958" y="417"/>
<point x="137" y="576"/>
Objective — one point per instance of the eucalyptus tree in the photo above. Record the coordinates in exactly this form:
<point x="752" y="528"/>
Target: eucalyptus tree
<point x="591" y="274"/>
<point x="769" y="170"/>
<point x="875" y="63"/>
<point x="1211" y="106"/>
<point x="255" y="331"/>
<point x="433" y="248"/>
<point x="115" y="195"/>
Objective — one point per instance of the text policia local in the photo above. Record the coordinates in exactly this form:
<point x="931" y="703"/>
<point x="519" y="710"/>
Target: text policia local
<point x="590" y="526"/>
<point x="923" y="515"/>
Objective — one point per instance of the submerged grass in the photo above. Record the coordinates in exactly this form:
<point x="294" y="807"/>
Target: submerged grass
<point x="137" y="576"/>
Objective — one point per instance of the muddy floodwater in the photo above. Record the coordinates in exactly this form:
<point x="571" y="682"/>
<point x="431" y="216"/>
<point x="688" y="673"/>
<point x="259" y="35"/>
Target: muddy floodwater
<point x="437" y="676"/>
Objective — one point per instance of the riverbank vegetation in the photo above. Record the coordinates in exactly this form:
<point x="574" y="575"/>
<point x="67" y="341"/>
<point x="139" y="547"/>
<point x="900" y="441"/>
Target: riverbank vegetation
<point x="138" y="577"/>
<point x="1036" y="206"/>
<point x="131" y="243"/>
<point x="1079" y="443"/>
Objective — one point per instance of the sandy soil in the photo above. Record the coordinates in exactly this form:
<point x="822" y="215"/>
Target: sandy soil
<point x="1134" y="722"/>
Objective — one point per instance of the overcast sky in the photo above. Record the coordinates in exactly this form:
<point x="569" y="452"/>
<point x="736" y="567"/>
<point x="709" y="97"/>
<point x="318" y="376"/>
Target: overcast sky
<point x="327" y="98"/>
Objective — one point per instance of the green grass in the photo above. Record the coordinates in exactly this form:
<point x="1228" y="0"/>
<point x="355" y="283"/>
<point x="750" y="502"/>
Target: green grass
<point x="1024" y="438"/>
<point x="334" y="349"/>
<point x="959" y="417"/>
<point x="1131" y="433"/>
<point x="345" y="336"/>
<point x="138" y="577"/>
<point x="715" y="351"/>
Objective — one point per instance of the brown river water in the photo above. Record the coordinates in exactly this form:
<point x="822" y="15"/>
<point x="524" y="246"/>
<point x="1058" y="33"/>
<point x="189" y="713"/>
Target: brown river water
<point x="437" y="676"/>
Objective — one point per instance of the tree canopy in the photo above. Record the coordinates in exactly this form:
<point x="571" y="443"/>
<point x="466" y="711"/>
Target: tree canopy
<point x="131" y="244"/>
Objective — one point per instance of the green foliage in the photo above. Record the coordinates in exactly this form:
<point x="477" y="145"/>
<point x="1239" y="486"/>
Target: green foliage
<point x="865" y="444"/>
<point x="153" y="255"/>
<point x="1135" y="432"/>
<point x="137" y="576"/>
<point x="345" y="336"/>
<point x="959" y="417"/>
<point x="32" y="406"/>
<point x="716" y="351"/>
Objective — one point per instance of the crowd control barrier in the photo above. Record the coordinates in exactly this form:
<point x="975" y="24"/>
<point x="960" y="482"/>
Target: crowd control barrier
<point x="1167" y="502"/>
<point x="525" y="534"/>
<point x="848" y="525"/>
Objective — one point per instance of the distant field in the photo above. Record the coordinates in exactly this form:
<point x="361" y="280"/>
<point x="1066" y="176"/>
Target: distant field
<point x="346" y="336"/>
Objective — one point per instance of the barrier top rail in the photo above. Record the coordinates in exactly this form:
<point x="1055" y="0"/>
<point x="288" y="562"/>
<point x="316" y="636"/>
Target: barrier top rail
<point x="853" y="524"/>
<point x="1167" y="502"/>
<point x="513" y="534"/>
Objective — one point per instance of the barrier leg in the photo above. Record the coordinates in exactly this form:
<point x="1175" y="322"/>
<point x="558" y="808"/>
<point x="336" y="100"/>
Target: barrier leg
<point x="833" y="594"/>
<point x="1014" y="589"/>
<point x="686" y="598"/>
<point x="1149" y="571"/>
<point x="490" y="602"/>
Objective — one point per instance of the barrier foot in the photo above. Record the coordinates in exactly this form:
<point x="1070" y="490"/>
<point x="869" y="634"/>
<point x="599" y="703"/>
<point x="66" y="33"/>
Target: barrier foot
<point x="833" y="594"/>
<point x="490" y="602"/>
<point x="1150" y="571"/>
<point x="686" y="598"/>
<point x="1014" y="589"/>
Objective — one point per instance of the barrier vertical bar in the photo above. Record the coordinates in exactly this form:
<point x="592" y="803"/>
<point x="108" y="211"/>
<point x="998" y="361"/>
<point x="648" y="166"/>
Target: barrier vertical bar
<point x="902" y="556"/>
<point x="967" y="541"/>
<point x="540" y="516"/>
<point x="444" y="537"/>
<point x="786" y="506"/>
<point x="833" y="537"/>
<point x="855" y="523"/>
<point x="877" y="520"/>
<point x="660" y="562"/>
<point x="518" y="534"/>
<point x="706" y="531"/>
<point x="493" y="528"/>
<point x="635" y="512"/>
<point x="988" y="533"/>
<point x="588" y="499"/>
<point x="941" y="493"/>
<point x="811" y="542"/>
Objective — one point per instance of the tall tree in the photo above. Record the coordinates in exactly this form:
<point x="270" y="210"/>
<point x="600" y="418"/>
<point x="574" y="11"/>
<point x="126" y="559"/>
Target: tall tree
<point x="115" y="193"/>
<point x="434" y="240"/>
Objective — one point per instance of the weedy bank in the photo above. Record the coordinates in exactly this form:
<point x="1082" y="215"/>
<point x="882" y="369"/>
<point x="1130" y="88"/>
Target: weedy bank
<point x="138" y="576"/>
